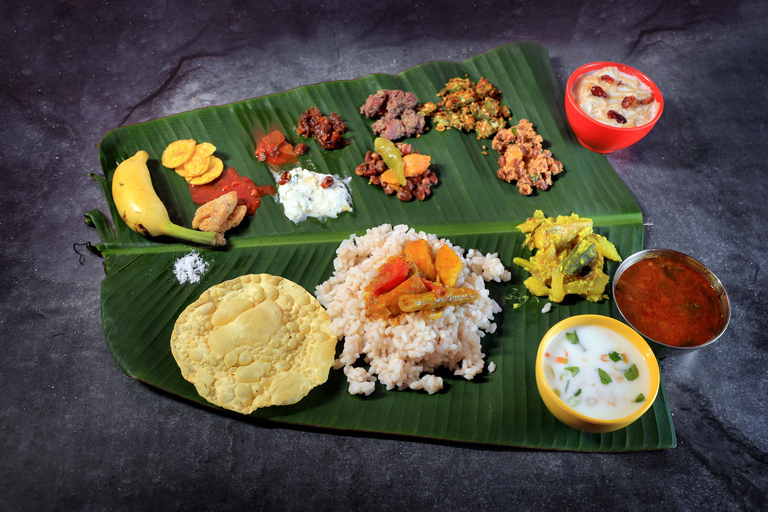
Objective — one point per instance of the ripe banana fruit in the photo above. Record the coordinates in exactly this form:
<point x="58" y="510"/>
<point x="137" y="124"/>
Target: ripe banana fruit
<point x="141" y="209"/>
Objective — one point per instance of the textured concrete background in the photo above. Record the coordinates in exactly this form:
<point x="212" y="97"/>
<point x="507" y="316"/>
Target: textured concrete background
<point x="78" y="434"/>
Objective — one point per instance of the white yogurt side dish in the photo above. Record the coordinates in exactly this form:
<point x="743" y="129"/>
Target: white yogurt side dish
<point x="616" y="88"/>
<point x="304" y="196"/>
<point x="597" y="372"/>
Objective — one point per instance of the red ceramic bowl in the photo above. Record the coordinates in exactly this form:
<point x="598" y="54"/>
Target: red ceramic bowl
<point x="593" y="134"/>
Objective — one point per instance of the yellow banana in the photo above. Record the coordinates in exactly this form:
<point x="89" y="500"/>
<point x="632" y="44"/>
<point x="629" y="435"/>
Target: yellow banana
<point x="141" y="209"/>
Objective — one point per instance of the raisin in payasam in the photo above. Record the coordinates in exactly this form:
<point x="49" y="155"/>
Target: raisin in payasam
<point x="615" y="98"/>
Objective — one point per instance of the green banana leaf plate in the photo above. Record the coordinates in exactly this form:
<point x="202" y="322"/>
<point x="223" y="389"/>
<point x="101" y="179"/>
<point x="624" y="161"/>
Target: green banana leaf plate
<point x="141" y="297"/>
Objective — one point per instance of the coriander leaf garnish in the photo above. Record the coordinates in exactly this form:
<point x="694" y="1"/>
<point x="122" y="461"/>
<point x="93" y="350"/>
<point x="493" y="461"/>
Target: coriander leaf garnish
<point x="604" y="377"/>
<point x="632" y="373"/>
<point x="573" y="338"/>
<point x="615" y="356"/>
<point x="577" y="393"/>
<point x="640" y="398"/>
<point x="573" y="369"/>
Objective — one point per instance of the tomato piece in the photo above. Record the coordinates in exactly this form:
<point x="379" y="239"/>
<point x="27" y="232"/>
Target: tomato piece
<point x="433" y="287"/>
<point x="393" y="272"/>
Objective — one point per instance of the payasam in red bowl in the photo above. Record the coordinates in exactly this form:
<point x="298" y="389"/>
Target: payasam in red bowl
<point x="672" y="299"/>
<point x="611" y="106"/>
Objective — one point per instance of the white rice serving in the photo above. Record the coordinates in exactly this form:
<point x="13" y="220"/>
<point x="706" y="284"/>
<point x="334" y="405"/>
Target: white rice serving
<point x="404" y="356"/>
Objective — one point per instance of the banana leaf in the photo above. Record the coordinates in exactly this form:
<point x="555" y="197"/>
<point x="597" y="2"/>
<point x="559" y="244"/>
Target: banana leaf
<point x="141" y="297"/>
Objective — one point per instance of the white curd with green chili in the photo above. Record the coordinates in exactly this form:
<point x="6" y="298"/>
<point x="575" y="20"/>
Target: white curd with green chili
<point x="596" y="372"/>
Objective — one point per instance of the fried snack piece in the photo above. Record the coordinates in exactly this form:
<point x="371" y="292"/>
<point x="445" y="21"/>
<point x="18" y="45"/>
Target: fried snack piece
<point x="254" y="341"/>
<point x="522" y="158"/>
<point x="178" y="152"/>
<point x="553" y="273"/>
<point x="220" y="214"/>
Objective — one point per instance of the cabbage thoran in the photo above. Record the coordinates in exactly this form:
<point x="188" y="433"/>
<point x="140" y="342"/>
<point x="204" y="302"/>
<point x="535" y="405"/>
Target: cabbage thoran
<point x="568" y="257"/>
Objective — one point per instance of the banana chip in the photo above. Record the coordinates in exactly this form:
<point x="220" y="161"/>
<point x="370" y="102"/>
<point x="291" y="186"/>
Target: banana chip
<point x="192" y="161"/>
<point x="178" y="152"/>
<point x="254" y="341"/>
<point x="214" y="170"/>
<point x="197" y="165"/>
<point x="205" y="148"/>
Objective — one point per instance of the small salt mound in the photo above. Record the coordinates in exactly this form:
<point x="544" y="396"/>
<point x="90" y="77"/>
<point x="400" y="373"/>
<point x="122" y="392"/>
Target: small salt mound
<point x="189" y="268"/>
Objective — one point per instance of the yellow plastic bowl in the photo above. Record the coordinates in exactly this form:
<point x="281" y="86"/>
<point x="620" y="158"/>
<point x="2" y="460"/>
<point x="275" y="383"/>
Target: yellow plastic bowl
<point x="575" y="419"/>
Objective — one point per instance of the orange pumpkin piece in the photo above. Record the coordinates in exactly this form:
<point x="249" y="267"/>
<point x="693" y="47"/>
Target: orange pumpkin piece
<point x="387" y="303"/>
<point x="417" y="254"/>
<point x="448" y="265"/>
<point x="390" y="178"/>
<point x="415" y="164"/>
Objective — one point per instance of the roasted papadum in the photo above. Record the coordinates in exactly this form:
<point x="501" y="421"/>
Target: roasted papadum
<point x="254" y="341"/>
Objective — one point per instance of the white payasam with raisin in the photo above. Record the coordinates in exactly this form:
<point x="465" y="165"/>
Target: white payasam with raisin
<point x="254" y="341"/>
<point x="615" y="98"/>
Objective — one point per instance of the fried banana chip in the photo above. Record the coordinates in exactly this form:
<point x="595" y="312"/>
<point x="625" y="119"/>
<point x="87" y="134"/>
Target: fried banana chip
<point x="178" y="152"/>
<point x="198" y="164"/>
<point x="205" y="148"/>
<point x="214" y="170"/>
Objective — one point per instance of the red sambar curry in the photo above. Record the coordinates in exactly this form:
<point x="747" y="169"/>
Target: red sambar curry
<point x="670" y="302"/>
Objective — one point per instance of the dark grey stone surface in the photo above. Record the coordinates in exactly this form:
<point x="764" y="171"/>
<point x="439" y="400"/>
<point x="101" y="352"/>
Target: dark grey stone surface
<point x="78" y="434"/>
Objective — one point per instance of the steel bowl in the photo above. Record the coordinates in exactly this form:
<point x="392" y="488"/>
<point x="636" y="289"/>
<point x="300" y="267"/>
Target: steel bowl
<point x="694" y="264"/>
